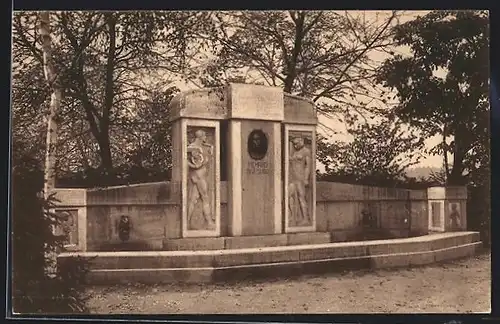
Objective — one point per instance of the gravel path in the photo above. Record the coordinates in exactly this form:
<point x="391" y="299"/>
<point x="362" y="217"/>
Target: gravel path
<point x="455" y="287"/>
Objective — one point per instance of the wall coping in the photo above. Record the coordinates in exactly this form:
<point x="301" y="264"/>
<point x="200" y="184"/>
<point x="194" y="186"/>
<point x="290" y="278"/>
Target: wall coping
<point x="326" y="192"/>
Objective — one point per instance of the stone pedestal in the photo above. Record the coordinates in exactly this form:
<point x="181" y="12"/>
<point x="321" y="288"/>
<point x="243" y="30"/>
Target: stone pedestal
<point x="447" y="209"/>
<point x="299" y="161"/>
<point x="254" y="179"/>
<point x="300" y="178"/>
<point x="196" y="119"/>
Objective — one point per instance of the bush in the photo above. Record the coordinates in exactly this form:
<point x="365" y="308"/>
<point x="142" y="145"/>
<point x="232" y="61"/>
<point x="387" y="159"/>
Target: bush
<point x="34" y="288"/>
<point x="121" y="175"/>
<point x="479" y="211"/>
<point x="384" y="181"/>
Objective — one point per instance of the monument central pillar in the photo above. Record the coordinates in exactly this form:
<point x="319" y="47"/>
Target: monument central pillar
<point x="255" y="195"/>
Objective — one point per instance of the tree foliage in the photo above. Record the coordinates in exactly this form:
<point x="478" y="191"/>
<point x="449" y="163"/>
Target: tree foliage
<point x="379" y="153"/>
<point x="143" y="146"/>
<point x="442" y="86"/>
<point x="321" y="55"/>
<point x="452" y="103"/>
<point x="107" y="61"/>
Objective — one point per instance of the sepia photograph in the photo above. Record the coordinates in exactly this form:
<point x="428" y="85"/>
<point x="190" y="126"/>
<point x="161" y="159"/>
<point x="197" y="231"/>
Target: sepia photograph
<point x="250" y="162"/>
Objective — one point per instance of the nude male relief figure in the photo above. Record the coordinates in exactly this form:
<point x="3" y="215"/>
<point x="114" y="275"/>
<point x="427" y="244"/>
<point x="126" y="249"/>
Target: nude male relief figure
<point x="300" y="173"/>
<point x="199" y="156"/>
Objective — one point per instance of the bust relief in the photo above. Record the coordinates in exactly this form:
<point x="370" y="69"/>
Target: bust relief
<point x="257" y="144"/>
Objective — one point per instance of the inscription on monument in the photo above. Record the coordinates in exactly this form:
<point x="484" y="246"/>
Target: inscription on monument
<point x="201" y="184"/>
<point x="258" y="185"/>
<point x="300" y="170"/>
<point x="258" y="167"/>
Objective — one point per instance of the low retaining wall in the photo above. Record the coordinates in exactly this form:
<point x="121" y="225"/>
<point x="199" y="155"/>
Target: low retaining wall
<point x="154" y="211"/>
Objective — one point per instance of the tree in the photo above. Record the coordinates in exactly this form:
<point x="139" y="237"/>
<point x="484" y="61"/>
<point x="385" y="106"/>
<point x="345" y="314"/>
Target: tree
<point x="379" y="154"/>
<point x="323" y="56"/>
<point x="147" y="138"/>
<point x="103" y="57"/>
<point x="454" y="104"/>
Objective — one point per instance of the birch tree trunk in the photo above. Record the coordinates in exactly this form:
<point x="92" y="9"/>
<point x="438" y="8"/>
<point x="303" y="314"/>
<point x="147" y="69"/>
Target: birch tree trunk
<point x="55" y="102"/>
<point x="52" y="79"/>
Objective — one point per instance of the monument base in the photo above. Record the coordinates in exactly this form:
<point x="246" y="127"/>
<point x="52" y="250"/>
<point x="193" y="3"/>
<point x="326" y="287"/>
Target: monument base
<point x="272" y="262"/>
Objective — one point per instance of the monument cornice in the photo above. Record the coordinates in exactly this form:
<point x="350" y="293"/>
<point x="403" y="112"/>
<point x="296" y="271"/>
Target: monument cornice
<point x="239" y="101"/>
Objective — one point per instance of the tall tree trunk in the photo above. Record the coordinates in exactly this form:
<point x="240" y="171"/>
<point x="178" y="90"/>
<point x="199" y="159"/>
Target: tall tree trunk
<point x="445" y="155"/>
<point x="55" y="102"/>
<point x="52" y="125"/>
<point x="99" y="123"/>
<point x="456" y="177"/>
<point x="105" y="151"/>
<point x="291" y="62"/>
<point x="104" y="143"/>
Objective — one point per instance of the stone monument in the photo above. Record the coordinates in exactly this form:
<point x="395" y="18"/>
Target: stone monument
<point x="243" y="175"/>
<point x="196" y="164"/>
<point x="269" y="140"/>
<point x="242" y="203"/>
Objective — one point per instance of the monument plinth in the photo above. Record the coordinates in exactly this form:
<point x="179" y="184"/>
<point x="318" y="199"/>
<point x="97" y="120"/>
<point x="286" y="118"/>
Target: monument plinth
<point x="299" y="165"/>
<point x="196" y="119"/>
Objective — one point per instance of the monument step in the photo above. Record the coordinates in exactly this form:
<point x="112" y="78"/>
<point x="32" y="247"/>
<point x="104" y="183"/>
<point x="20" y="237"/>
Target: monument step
<point x="123" y="261"/>
<point x="241" y="242"/>
<point x="279" y="269"/>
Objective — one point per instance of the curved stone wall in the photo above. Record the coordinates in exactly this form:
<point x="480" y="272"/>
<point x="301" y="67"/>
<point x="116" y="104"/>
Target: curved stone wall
<point x="155" y="214"/>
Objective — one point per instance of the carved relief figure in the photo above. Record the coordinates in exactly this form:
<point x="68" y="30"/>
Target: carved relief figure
<point x="124" y="228"/>
<point x="67" y="226"/>
<point x="298" y="188"/>
<point x="199" y="156"/>
<point x="368" y="219"/>
<point x="455" y="217"/>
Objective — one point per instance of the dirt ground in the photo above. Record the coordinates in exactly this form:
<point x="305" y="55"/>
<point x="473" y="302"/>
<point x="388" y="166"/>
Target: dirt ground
<point x="461" y="286"/>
